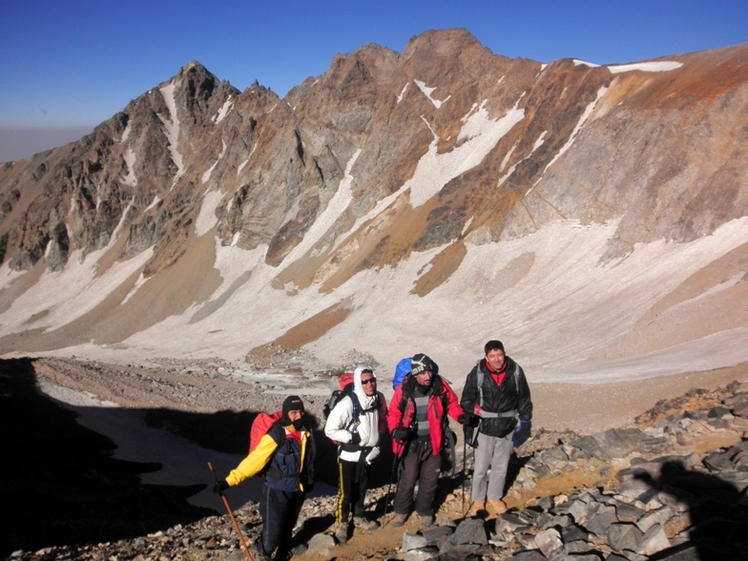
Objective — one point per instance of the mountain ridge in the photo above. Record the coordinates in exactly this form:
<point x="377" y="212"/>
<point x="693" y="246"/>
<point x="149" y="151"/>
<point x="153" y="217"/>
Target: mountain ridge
<point x="443" y="178"/>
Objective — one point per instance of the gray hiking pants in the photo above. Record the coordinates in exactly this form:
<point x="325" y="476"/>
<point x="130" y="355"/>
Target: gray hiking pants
<point x="491" y="454"/>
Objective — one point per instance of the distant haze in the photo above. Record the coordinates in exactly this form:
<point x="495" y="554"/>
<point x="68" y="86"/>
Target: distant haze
<point x="20" y="143"/>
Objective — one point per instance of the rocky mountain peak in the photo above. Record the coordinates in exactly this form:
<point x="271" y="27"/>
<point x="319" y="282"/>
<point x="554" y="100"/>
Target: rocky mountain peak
<point x="469" y="177"/>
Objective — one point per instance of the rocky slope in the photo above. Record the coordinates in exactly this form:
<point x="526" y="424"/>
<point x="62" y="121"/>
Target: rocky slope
<point x="669" y="486"/>
<point x="607" y="202"/>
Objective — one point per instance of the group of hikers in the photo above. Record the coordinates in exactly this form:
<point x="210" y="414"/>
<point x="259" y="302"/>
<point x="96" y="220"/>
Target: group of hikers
<point x="495" y="410"/>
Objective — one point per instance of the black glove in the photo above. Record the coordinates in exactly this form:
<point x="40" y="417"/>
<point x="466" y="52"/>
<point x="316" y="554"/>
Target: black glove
<point x="400" y="433"/>
<point x="468" y="420"/>
<point x="355" y="438"/>
<point x="220" y="487"/>
<point x="522" y="433"/>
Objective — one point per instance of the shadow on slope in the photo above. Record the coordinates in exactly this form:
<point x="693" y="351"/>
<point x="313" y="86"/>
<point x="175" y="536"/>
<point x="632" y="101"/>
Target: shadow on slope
<point x="63" y="486"/>
<point x="715" y="508"/>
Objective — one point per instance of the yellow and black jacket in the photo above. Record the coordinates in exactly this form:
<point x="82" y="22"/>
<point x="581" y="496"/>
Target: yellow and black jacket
<point x="284" y="456"/>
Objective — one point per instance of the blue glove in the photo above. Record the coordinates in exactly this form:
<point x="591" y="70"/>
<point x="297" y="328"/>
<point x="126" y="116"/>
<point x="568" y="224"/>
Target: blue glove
<point x="522" y="433"/>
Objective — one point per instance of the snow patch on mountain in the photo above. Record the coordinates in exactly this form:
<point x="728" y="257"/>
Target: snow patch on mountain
<point x="130" y="179"/>
<point x="427" y="91"/>
<point x="172" y="129"/>
<point x="207" y="219"/>
<point x="653" y="66"/>
<point x="340" y="201"/>
<point x="209" y="171"/>
<point x="435" y="170"/>
<point x="60" y="297"/>
<point x="578" y="62"/>
<point x="582" y="120"/>
<point x="224" y="110"/>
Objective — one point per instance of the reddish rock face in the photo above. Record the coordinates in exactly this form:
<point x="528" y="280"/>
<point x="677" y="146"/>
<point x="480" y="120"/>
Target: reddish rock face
<point x="443" y="144"/>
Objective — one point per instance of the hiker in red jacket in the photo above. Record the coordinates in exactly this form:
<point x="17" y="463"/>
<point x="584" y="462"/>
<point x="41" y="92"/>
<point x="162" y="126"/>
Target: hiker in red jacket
<point x="417" y="420"/>
<point x="285" y="456"/>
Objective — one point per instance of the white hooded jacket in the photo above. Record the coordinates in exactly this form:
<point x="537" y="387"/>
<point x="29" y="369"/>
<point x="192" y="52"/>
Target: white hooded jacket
<point x="341" y="418"/>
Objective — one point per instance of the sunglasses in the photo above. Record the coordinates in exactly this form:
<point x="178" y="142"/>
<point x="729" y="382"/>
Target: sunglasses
<point x="368" y="381"/>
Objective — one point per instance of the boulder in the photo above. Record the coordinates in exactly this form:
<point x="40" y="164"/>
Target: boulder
<point x="653" y="541"/>
<point x="469" y="531"/>
<point x="623" y="536"/>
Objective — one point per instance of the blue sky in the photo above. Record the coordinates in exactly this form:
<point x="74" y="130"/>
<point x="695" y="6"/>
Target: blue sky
<point x="71" y="64"/>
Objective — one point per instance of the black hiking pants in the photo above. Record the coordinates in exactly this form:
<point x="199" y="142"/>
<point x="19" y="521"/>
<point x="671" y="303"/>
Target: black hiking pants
<point x="279" y="511"/>
<point x="353" y="480"/>
<point x="422" y="467"/>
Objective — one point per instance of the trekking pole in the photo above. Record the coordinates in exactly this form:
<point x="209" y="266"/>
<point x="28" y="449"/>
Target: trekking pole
<point x="231" y="515"/>
<point x="464" y="471"/>
<point x="389" y="488"/>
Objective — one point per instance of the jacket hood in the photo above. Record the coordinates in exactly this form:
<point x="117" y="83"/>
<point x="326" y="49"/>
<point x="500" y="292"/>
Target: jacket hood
<point x="366" y="401"/>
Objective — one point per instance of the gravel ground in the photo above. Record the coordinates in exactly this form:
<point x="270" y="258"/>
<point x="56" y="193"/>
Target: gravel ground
<point x="211" y="386"/>
<point x="69" y="483"/>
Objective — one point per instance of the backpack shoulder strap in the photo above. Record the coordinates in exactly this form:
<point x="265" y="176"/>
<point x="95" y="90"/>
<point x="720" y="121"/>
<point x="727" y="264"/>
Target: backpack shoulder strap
<point x="277" y="432"/>
<point x="479" y="379"/>
<point x="356" y="407"/>
<point x="479" y="383"/>
<point x="406" y="393"/>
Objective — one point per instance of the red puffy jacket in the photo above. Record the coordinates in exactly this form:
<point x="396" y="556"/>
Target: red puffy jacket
<point x="402" y="410"/>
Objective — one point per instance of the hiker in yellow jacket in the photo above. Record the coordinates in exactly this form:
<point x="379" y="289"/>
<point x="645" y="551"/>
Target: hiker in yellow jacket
<point x="285" y="456"/>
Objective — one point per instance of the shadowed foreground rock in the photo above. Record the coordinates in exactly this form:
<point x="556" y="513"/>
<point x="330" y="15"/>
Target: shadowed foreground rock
<point x="672" y="488"/>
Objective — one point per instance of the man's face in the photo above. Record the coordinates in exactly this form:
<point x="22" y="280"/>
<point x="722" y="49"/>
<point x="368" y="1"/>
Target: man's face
<point x="495" y="359"/>
<point x="425" y="378"/>
<point x="295" y="415"/>
<point x="369" y="383"/>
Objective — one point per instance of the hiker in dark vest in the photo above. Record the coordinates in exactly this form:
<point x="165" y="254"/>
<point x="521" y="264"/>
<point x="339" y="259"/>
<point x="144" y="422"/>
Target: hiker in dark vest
<point x="285" y="456"/>
<point x="356" y="423"/>
<point x="497" y="398"/>
<point x="418" y="422"/>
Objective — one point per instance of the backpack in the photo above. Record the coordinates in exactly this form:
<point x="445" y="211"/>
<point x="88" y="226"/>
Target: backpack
<point x="341" y="386"/>
<point x="479" y="381"/>
<point x="401" y="371"/>
<point x="340" y="389"/>
<point x="261" y="425"/>
<point x="471" y="434"/>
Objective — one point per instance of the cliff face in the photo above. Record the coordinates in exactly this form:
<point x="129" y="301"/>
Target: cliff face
<point x="607" y="202"/>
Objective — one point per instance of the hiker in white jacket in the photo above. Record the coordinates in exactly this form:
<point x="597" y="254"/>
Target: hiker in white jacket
<point x="356" y="423"/>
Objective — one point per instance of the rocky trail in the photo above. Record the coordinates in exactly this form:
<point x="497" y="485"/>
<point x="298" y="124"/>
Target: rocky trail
<point x="670" y="486"/>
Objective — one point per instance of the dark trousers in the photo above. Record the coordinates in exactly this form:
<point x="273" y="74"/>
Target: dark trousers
<point x="279" y="511"/>
<point x="422" y="467"/>
<point x="352" y="484"/>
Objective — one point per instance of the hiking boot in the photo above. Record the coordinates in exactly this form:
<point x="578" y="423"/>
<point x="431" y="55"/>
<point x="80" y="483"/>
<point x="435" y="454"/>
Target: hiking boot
<point x="478" y="508"/>
<point x="341" y="532"/>
<point x="364" y="524"/>
<point x="499" y="507"/>
<point x="399" y="520"/>
<point x="427" y="521"/>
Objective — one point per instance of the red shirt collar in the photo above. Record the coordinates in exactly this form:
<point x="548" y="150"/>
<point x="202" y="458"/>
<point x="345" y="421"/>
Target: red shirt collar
<point x="497" y="375"/>
<point x="492" y="371"/>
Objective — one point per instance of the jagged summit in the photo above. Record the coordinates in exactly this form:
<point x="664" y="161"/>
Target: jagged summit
<point x="598" y="211"/>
